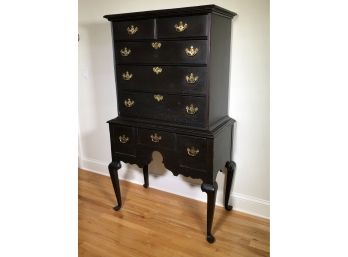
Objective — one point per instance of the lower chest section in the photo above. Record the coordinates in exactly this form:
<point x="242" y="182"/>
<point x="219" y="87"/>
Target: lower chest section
<point x="184" y="154"/>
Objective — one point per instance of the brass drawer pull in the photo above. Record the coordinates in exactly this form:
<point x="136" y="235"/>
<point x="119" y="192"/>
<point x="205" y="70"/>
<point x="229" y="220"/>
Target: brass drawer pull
<point x="125" y="51"/>
<point x="156" y="45"/>
<point x="129" y="103"/>
<point x="191" y="51"/>
<point x="191" y="109"/>
<point x="158" y="98"/>
<point x="191" y="78"/>
<point x="127" y="75"/>
<point x="132" y="30"/>
<point x="157" y="70"/>
<point x="155" y="138"/>
<point x="181" y="26"/>
<point x="123" y="139"/>
<point x="192" y="151"/>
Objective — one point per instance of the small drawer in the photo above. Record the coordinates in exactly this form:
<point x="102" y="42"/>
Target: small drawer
<point x="124" y="139"/>
<point x="186" y="26"/>
<point x="192" y="152"/>
<point x="156" y="138"/>
<point x="137" y="29"/>
<point x="162" y="52"/>
<point x="171" y="79"/>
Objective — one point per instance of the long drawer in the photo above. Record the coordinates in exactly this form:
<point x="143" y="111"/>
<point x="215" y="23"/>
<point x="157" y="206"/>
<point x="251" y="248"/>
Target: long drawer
<point x="170" y="79"/>
<point x="187" y="110"/>
<point x="162" y="52"/>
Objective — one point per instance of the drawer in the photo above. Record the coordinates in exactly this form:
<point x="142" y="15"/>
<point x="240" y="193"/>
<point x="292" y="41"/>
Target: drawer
<point x="192" y="152"/>
<point x="156" y="138"/>
<point x="162" y="52"/>
<point x="124" y="139"/>
<point x="138" y="29"/>
<point x="171" y="79"/>
<point x="187" y="110"/>
<point x="186" y="26"/>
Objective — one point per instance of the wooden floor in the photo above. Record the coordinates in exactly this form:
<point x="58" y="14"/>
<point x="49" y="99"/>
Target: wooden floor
<point x="156" y="223"/>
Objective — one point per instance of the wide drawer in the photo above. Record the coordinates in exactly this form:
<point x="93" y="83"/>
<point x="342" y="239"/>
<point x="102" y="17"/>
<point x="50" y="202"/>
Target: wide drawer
<point x="162" y="52"/>
<point x="192" y="152"/>
<point x="186" y="110"/>
<point x="124" y="139"/>
<point x="137" y="29"/>
<point x="170" y="79"/>
<point x="156" y="138"/>
<point x="186" y="26"/>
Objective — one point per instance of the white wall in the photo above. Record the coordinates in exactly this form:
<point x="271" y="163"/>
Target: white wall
<point x="249" y="99"/>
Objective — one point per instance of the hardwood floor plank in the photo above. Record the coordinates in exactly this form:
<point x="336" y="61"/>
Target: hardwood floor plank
<point x="156" y="223"/>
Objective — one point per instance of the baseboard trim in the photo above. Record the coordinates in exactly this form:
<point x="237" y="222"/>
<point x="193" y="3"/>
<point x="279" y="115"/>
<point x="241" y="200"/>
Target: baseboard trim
<point x="241" y="202"/>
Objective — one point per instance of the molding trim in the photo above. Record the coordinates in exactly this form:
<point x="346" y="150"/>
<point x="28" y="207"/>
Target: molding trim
<point x="241" y="202"/>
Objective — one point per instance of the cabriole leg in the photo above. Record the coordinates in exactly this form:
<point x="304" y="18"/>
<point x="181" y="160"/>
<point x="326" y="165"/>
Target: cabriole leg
<point x="230" y="167"/>
<point x="146" y="176"/>
<point x="211" y="197"/>
<point x="113" y="170"/>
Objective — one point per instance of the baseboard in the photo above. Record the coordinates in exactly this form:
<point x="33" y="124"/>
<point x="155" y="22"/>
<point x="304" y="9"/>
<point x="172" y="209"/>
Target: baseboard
<point x="240" y="202"/>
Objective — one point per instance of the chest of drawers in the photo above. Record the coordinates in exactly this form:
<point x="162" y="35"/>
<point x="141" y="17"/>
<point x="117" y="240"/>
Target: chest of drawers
<point x="172" y="83"/>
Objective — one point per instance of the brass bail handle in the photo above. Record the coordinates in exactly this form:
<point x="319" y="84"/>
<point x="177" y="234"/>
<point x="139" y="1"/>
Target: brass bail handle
<point x="155" y="138"/>
<point x="192" y="151"/>
<point x="123" y="139"/>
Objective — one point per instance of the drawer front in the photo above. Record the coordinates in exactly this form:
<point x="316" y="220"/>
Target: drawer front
<point x="185" y="110"/>
<point x="187" y="26"/>
<point x="162" y="52"/>
<point x="138" y="29"/>
<point x="156" y="138"/>
<point x="171" y="79"/>
<point x="124" y="139"/>
<point x="192" y="152"/>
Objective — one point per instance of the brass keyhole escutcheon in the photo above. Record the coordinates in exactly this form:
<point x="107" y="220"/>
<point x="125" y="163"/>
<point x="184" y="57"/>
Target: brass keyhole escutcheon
<point x="156" y="45"/>
<point x="158" y="98"/>
<point x="157" y="70"/>
<point x="181" y="26"/>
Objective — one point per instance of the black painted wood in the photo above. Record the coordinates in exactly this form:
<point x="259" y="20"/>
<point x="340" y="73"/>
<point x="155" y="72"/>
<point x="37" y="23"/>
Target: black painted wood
<point x="230" y="168"/>
<point x="194" y="10"/>
<point x="155" y="91"/>
<point x="171" y="108"/>
<point x="157" y="138"/>
<point x="169" y="52"/>
<point x="114" y="166"/>
<point x="146" y="176"/>
<point x="171" y="80"/>
<point x="144" y="29"/>
<point x="211" y="198"/>
<point x="196" y="26"/>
